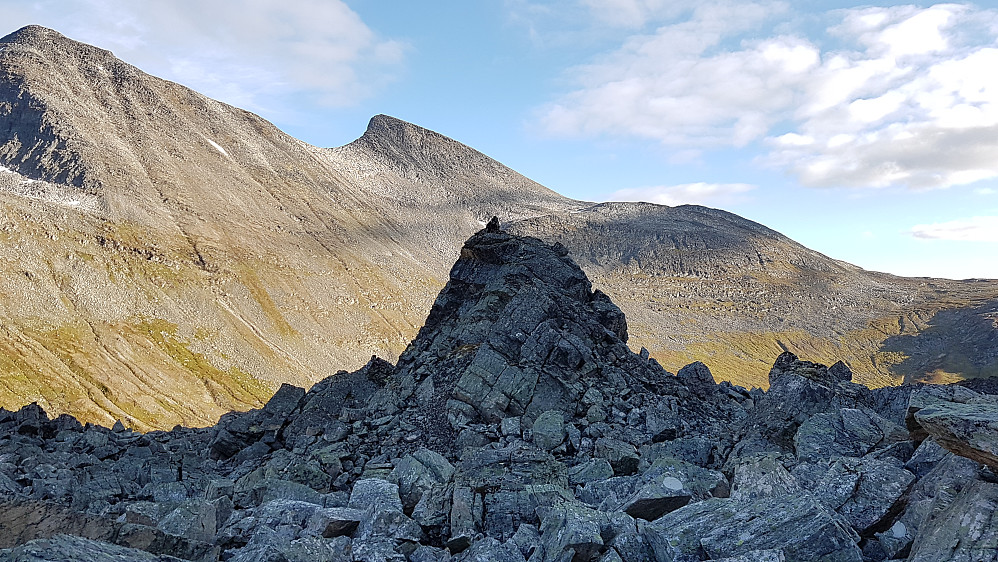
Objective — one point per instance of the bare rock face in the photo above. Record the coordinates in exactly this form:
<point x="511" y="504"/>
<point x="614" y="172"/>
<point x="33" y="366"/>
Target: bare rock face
<point x="599" y="455"/>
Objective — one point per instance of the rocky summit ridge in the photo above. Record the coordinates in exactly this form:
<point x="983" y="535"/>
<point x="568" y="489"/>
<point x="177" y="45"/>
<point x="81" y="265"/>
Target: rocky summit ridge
<point x="518" y="426"/>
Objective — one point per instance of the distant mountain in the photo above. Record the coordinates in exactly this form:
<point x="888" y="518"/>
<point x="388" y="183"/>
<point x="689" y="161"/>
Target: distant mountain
<point x="707" y="285"/>
<point x="165" y="257"/>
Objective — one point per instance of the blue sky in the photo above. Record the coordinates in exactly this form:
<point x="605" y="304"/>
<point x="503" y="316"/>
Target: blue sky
<point x="868" y="132"/>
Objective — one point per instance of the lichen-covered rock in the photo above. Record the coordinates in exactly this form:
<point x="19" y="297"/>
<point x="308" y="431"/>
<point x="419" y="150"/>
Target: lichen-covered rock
<point x="68" y="548"/>
<point x="549" y="430"/>
<point x="932" y="494"/>
<point x="491" y="550"/>
<point x="767" y="555"/>
<point x="968" y="429"/>
<point x="571" y="532"/>
<point x="966" y="531"/>
<point x="848" y="432"/>
<point x="798" y="390"/>
<point x="763" y="476"/>
<point x="868" y="492"/>
<point x="802" y="528"/>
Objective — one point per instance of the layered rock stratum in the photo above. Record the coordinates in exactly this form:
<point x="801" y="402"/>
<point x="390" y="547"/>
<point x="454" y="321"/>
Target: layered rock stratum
<point x="519" y="427"/>
<point x="166" y="258"/>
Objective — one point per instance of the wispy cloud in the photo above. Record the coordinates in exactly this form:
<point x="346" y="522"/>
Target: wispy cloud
<point x="881" y="96"/>
<point x="245" y="55"/>
<point x="633" y="13"/>
<point x="975" y="229"/>
<point x="689" y="193"/>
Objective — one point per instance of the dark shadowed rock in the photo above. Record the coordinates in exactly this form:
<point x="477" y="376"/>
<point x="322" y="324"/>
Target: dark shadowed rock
<point x="697" y="377"/>
<point x="519" y="331"/>
<point x="68" y="548"/>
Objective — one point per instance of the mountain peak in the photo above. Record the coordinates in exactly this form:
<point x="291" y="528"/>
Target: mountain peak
<point x="33" y="35"/>
<point x="405" y="143"/>
<point x="382" y="125"/>
<point x="409" y="153"/>
<point x="50" y="41"/>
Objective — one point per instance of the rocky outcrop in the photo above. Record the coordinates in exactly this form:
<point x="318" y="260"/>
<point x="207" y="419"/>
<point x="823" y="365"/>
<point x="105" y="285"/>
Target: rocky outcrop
<point x="517" y="426"/>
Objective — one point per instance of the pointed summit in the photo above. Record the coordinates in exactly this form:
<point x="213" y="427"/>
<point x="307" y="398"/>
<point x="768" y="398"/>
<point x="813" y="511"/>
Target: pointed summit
<point x="32" y="35"/>
<point x="409" y="157"/>
<point x="414" y="150"/>
<point x="53" y="45"/>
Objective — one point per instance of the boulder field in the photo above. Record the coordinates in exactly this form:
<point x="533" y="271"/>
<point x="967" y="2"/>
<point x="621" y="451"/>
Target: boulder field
<point x="519" y="427"/>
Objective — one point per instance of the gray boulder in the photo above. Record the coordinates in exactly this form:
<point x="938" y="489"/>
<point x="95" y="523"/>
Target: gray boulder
<point x="800" y="527"/>
<point x="933" y="396"/>
<point x="966" y="531"/>
<point x="657" y="497"/>
<point x="68" y="548"/>
<point x="549" y="430"/>
<point x="420" y="473"/>
<point x="571" y="532"/>
<point x="967" y="429"/>
<point x="847" y="432"/>
<point x="763" y="476"/>
<point x="622" y="456"/>
<point x="491" y="550"/>
<point x="696" y="376"/>
<point x="868" y="492"/>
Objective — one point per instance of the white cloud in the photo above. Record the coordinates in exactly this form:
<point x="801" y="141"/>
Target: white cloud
<point x="885" y="96"/>
<point x="975" y="229"/>
<point x="690" y="193"/>
<point x="244" y="55"/>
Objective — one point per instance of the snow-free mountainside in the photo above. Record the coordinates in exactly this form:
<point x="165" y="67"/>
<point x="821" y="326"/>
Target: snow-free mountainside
<point x="166" y="258"/>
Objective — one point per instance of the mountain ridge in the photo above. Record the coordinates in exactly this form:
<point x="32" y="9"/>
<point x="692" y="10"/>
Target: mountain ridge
<point x="208" y="254"/>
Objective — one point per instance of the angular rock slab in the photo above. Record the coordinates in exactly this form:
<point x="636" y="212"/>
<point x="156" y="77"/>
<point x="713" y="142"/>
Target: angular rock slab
<point x="657" y="497"/>
<point x="800" y="527"/>
<point x="966" y="531"/>
<point x="931" y="495"/>
<point x="67" y="548"/>
<point x="927" y="396"/>
<point x="867" y="491"/>
<point x="762" y="476"/>
<point x="571" y="529"/>
<point x="849" y="432"/>
<point x="969" y="430"/>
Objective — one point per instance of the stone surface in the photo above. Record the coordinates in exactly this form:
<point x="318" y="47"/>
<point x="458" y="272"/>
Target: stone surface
<point x="800" y="527"/>
<point x="968" y="429"/>
<point x="548" y="430"/>
<point x="68" y="548"/>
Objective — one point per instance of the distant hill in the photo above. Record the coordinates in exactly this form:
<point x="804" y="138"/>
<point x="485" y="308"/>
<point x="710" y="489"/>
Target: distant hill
<point x="165" y="257"/>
